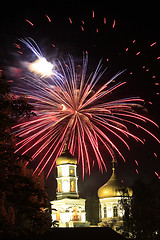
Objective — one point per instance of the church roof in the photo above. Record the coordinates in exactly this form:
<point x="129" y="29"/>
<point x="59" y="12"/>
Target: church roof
<point x="114" y="188"/>
<point x="66" y="158"/>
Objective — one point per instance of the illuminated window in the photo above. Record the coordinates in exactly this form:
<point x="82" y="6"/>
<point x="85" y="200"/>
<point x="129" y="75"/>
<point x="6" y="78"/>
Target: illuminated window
<point x="59" y="171"/>
<point x="100" y="211"/>
<point x="65" y="170"/>
<point x="75" y="215"/>
<point x="59" y="187"/>
<point x="72" y="187"/>
<point x="65" y="186"/>
<point x="115" y="211"/>
<point x="71" y="171"/>
<point x="105" y="212"/>
<point x="57" y="215"/>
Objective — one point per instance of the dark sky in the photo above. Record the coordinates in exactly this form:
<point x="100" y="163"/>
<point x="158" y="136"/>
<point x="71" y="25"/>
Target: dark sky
<point x="101" y="40"/>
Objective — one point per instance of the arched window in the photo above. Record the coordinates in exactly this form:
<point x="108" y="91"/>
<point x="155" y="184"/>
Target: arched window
<point x="59" y="187"/>
<point x="100" y="211"/>
<point x="72" y="186"/>
<point x="58" y="215"/>
<point x="75" y="215"/>
<point x="105" y="212"/>
<point x="115" y="211"/>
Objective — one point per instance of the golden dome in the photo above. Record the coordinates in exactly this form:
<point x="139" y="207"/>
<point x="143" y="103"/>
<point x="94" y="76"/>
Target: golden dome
<point x="66" y="158"/>
<point x="113" y="188"/>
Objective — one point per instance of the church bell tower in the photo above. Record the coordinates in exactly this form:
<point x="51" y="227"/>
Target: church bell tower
<point x="66" y="176"/>
<point x="68" y="209"/>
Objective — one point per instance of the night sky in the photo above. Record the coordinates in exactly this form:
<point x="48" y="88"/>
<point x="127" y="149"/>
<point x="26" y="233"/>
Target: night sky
<point x="125" y="37"/>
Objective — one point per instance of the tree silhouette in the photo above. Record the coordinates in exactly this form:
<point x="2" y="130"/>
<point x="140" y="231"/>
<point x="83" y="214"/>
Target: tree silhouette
<point x="23" y="201"/>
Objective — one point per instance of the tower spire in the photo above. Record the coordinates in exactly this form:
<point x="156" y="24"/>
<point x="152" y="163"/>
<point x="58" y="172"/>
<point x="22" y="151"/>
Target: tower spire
<point x="114" y="160"/>
<point x="65" y="147"/>
<point x="113" y="165"/>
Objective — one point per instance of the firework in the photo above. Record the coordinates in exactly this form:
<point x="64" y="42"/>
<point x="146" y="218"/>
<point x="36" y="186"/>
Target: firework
<point x="69" y="108"/>
<point x="41" y="66"/>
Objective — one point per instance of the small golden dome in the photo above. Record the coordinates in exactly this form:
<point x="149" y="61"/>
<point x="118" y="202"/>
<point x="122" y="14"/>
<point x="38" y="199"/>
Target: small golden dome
<point x="66" y="158"/>
<point x="113" y="188"/>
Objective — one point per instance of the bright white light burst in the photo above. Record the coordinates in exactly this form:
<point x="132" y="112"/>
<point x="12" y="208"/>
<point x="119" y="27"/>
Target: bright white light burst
<point x="41" y="67"/>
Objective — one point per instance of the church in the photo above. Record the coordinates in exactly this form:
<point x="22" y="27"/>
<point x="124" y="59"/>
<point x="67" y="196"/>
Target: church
<point x="68" y="210"/>
<point x="110" y="195"/>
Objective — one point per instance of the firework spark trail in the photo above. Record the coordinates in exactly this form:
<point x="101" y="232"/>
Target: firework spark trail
<point x="114" y="23"/>
<point x="70" y="109"/>
<point x="157" y="175"/>
<point x="30" y="22"/>
<point x="92" y="16"/>
<point x="48" y="18"/>
<point x="32" y="45"/>
<point x="92" y="13"/>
